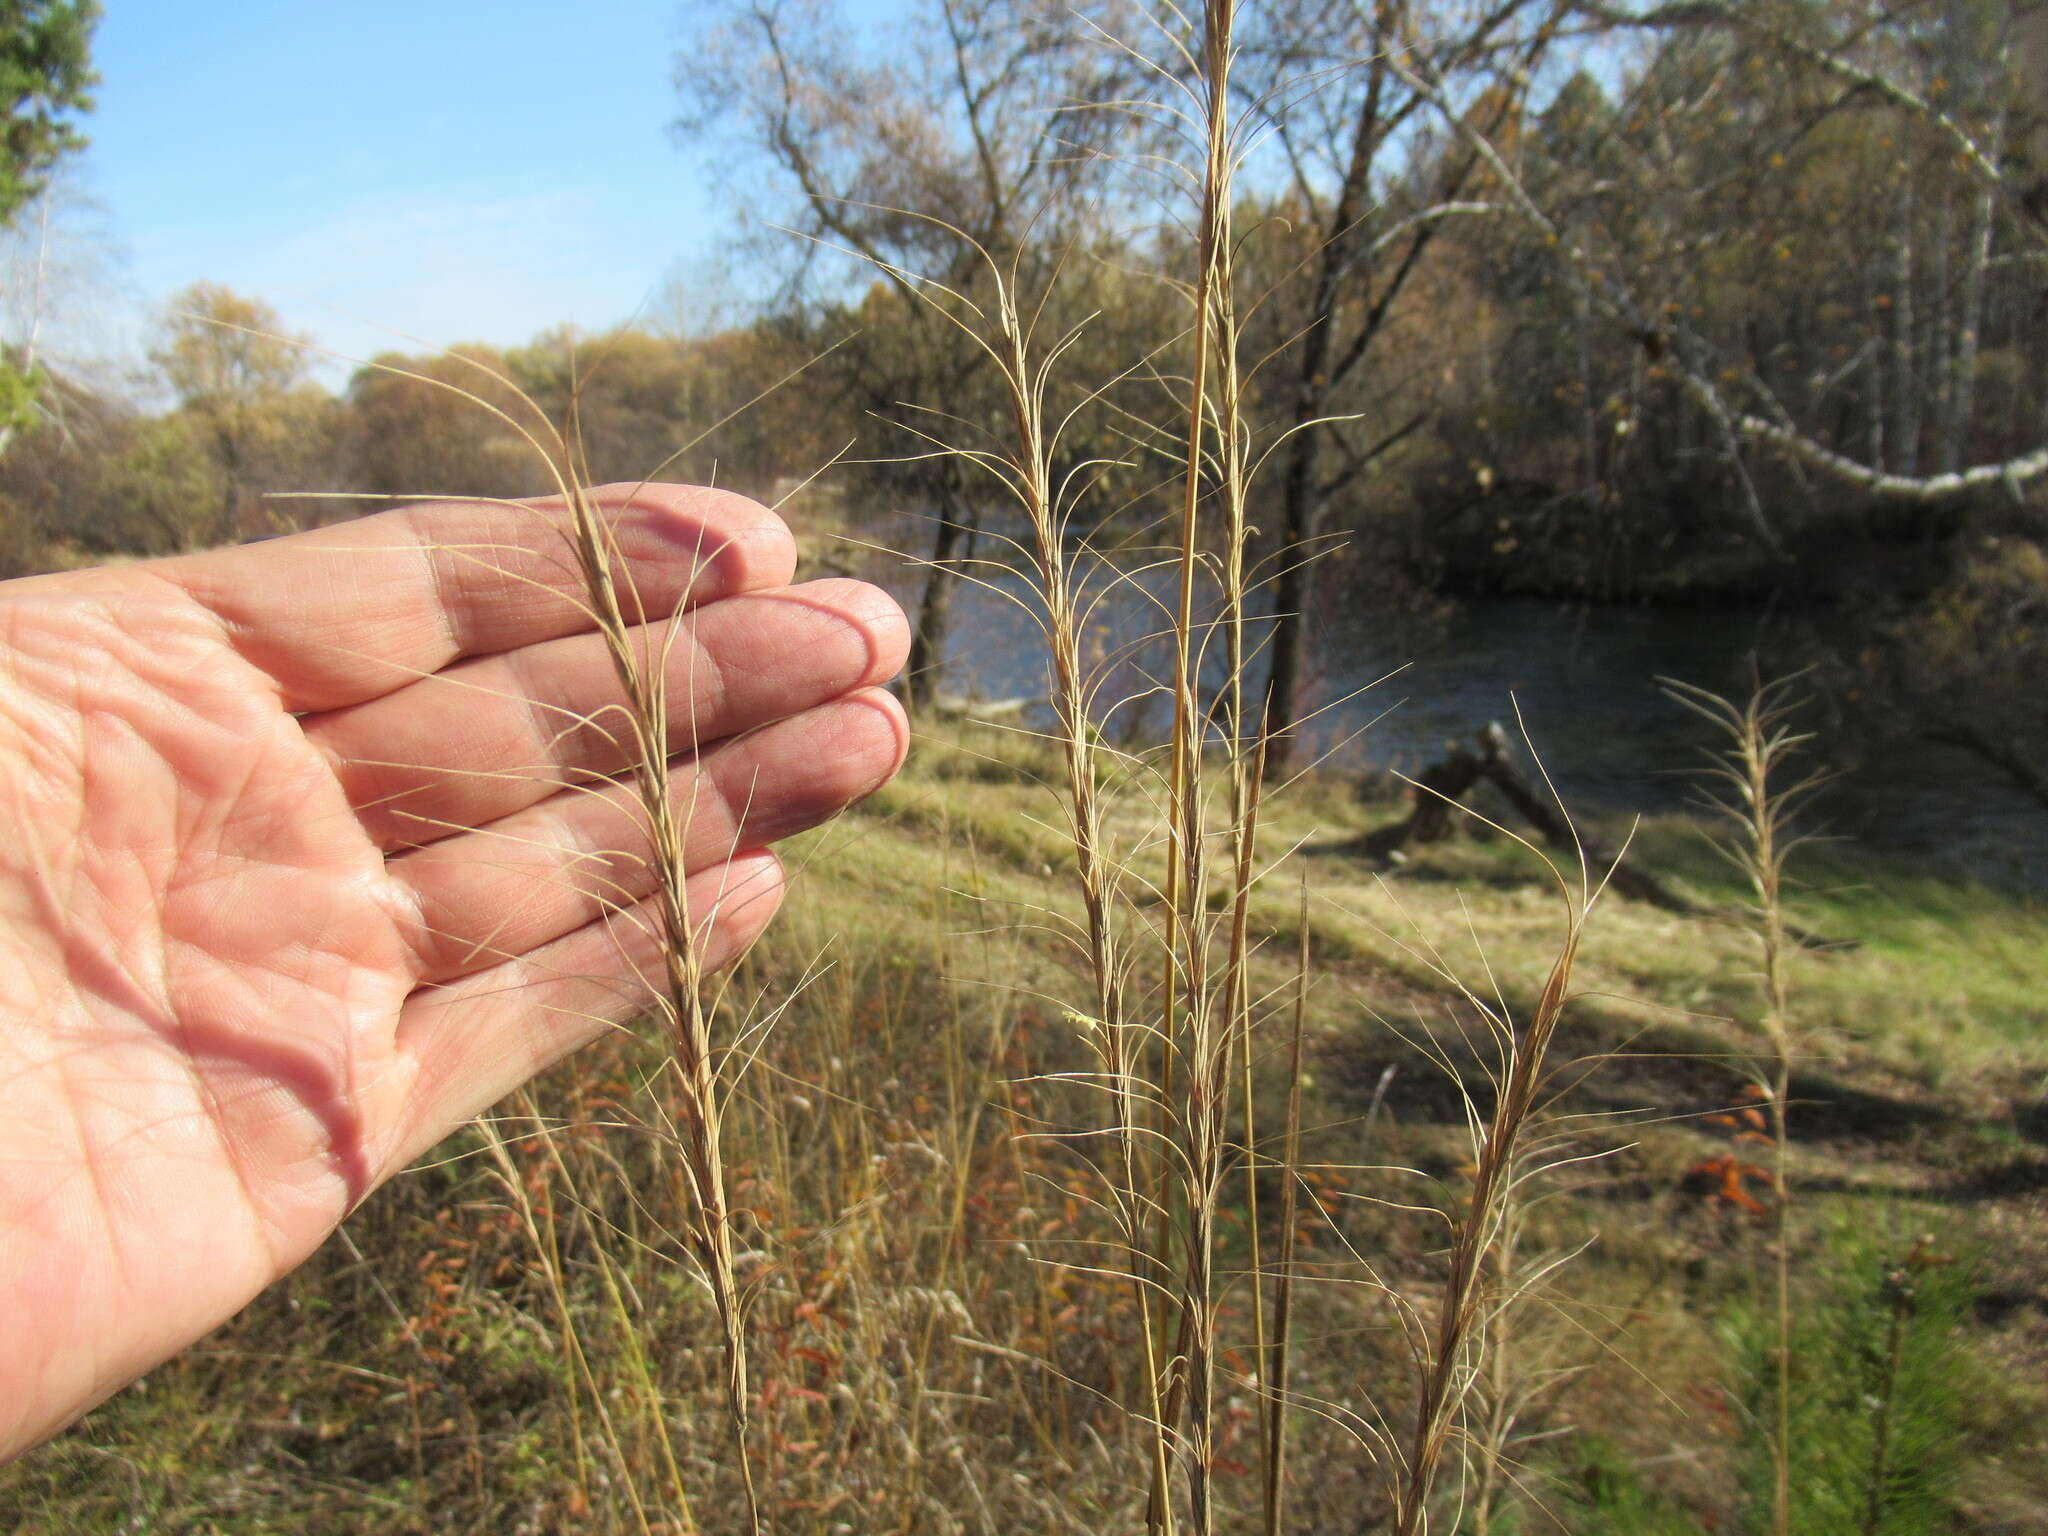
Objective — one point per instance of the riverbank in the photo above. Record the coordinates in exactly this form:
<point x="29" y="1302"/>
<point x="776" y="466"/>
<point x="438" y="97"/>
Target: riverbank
<point x="1520" y="538"/>
<point x="938" y="1348"/>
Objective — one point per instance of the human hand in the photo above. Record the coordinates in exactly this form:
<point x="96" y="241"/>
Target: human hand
<point x="307" y="855"/>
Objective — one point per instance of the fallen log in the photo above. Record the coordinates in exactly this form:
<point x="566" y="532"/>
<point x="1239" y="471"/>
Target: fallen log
<point x="1441" y="787"/>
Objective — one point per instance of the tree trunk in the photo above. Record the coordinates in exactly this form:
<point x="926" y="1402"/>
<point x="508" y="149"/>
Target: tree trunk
<point x="1326" y="360"/>
<point x="1905" y="433"/>
<point x="1941" y="339"/>
<point x="228" y="526"/>
<point x="1291" y="593"/>
<point x="927" y="659"/>
<point x="1874" y="411"/>
<point x="1589" y="412"/>
<point x="1962" y="394"/>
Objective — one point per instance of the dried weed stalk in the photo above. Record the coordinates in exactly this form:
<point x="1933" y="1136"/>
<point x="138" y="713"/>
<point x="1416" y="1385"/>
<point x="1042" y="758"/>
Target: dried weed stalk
<point x="1747" y="791"/>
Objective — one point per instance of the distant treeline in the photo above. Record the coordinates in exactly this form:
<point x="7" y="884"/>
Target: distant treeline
<point x="249" y="436"/>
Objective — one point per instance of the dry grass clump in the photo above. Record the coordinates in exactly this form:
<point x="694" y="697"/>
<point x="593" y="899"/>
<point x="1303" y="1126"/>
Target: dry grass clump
<point x="1749" y="794"/>
<point x="1152" y="1148"/>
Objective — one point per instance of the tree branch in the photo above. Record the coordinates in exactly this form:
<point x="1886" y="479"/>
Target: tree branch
<point x="1703" y="13"/>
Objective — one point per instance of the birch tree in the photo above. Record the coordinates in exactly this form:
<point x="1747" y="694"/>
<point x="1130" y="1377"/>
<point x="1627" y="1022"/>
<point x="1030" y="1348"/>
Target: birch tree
<point x="1953" y="128"/>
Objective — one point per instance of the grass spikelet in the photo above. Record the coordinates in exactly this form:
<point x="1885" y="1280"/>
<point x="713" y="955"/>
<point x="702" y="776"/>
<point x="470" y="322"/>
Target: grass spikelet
<point x="1748" y="794"/>
<point x="1450" y="1354"/>
<point x="680" y="1002"/>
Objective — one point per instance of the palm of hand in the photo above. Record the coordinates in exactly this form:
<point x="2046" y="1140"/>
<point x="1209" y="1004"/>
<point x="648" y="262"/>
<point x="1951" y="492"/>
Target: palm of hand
<point x="234" y="996"/>
<point x="213" y="965"/>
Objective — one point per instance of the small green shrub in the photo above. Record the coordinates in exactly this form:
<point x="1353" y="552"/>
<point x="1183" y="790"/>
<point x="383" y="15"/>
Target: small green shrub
<point x="1604" y="1494"/>
<point x="1880" y="1384"/>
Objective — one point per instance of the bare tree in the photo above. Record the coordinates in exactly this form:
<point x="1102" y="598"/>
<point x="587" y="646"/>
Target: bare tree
<point x="963" y="145"/>
<point x="1366" y="204"/>
<point x="55" y="273"/>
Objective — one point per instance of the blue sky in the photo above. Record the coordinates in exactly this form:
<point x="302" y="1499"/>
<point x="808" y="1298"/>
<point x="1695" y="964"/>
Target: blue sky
<point x="451" y="169"/>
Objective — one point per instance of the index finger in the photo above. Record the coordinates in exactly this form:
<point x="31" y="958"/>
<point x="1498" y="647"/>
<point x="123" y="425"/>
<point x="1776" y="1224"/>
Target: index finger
<point x="346" y="613"/>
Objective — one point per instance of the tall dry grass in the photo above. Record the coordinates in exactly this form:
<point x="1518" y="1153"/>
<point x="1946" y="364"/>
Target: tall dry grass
<point x="1750" y="795"/>
<point x="1176" y="1023"/>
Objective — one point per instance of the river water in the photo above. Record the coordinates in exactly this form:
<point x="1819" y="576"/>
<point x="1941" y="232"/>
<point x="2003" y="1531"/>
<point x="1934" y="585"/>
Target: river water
<point x="1389" y="695"/>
